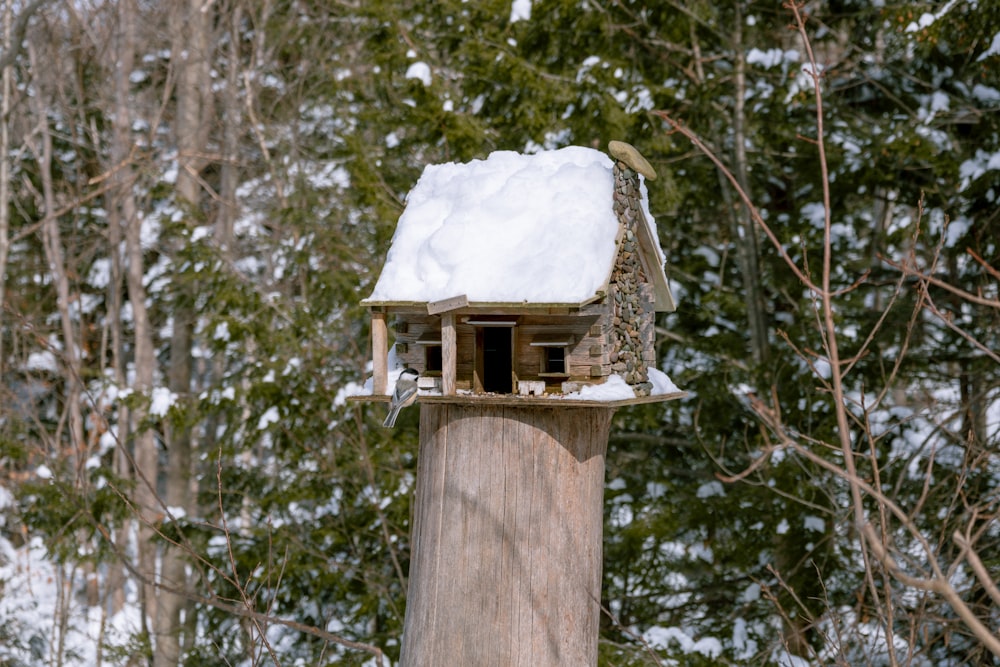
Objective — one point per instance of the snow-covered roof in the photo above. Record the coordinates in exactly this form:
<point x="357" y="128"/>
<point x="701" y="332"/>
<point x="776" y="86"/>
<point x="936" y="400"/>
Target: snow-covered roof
<point x="512" y="228"/>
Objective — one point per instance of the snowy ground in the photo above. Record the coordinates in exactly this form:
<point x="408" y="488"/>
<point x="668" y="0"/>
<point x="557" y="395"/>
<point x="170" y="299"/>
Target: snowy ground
<point x="35" y="593"/>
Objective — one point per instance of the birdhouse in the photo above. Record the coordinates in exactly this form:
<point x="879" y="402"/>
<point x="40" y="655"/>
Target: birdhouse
<point x="512" y="283"/>
<point x="525" y="275"/>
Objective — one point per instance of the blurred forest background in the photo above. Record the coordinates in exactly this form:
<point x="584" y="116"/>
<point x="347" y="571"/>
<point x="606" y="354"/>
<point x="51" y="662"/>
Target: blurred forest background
<point x="195" y="195"/>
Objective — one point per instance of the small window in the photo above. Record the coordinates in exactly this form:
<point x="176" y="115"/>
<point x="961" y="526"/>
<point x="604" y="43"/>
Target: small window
<point x="553" y="347"/>
<point x="433" y="359"/>
<point x="555" y="360"/>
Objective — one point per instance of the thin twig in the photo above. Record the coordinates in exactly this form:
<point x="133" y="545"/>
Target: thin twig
<point x="241" y="588"/>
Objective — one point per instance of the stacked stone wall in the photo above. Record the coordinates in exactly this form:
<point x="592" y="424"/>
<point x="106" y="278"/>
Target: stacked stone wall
<point x="631" y="310"/>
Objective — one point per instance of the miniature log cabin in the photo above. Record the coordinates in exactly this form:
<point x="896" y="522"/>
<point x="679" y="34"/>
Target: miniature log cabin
<point x="524" y="275"/>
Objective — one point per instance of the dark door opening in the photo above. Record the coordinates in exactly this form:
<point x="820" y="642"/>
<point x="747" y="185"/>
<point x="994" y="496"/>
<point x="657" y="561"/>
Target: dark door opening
<point x="497" y="369"/>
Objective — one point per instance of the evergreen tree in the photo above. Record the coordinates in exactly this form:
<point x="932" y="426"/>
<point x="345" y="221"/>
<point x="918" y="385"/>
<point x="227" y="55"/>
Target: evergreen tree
<point x="732" y="534"/>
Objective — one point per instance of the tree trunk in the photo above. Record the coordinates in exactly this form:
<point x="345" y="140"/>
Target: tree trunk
<point x="506" y="554"/>
<point x="5" y="83"/>
<point x="190" y="38"/>
<point x="74" y="443"/>
<point x="123" y="213"/>
<point x="741" y="225"/>
<point x="745" y="236"/>
<point x="146" y="454"/>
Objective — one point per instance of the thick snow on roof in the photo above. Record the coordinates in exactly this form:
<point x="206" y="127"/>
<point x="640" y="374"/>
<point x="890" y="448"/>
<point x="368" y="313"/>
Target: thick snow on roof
<point x="508" y="229"/>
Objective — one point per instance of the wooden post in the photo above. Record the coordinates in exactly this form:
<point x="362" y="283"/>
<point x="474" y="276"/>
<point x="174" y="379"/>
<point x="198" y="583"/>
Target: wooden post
<point x="505" y="566"/>
<point x="380" y="354"/>
<point x="449" y="354"/>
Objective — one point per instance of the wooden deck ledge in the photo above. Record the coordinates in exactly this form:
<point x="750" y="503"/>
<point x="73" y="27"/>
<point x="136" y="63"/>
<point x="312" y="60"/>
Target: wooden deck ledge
<point x="556" y="401"/>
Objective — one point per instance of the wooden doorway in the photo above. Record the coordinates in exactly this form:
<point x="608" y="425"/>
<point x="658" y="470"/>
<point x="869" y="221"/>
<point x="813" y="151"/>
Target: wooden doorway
<point x="494" y="359"/>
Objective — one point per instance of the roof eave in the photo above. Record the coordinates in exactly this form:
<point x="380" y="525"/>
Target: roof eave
<point x="663" y="297"/>
<point x="482" y="305"/>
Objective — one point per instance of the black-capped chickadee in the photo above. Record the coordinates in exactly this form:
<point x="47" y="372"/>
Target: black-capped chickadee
<point x="404" y="395"/>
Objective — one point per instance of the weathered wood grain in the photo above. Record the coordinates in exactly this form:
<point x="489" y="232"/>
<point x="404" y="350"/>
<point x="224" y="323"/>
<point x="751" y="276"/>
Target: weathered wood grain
<point x="448" y="354"/>
<point x="506" y="552"/>
<point x="380" y="352"/>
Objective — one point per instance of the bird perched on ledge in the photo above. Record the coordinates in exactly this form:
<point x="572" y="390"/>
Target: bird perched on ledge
<point x="404" y="394"/>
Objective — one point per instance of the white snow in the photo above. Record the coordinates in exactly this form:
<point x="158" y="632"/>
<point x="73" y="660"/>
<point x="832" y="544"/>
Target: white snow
<point x="616" y="389"/>
<point x="956" y="230"/>
<point x="268" y="418"/>
<point x="100" y="273"/>
<point x="351" y="389"/>
<point x="41" y="361"/>
<point x="771" y="57"/>
<point x="419" y="70"/>
<point x="972" y="169"/>
<point x="986" y="94"/>
<point x="662" y="384"/>
<point x="992" y="51"/>
<point x="814" y="523"/>
<point x="746" y="646"/>
<point x="664" y="637"/>
<point x="520" y="10"/>
<point x="709" y="489"/>
<point x="926" y="20"/>
<point x="510" y="228"/>
<point x="751" y="593"/>
<point x="160" y="401"/>
<point x="613" y="389"/>
<point x="221" y="331"/>
<point x="940" y="101"/>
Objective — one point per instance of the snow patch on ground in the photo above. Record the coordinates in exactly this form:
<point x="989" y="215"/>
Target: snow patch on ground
<point x="36" y="590"/>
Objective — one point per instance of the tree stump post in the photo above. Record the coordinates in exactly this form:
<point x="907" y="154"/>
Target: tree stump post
<point x="505" y="566"/>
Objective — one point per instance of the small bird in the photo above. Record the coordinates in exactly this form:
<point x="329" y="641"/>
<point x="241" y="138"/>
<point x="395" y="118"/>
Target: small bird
<point x="404" y="395"/>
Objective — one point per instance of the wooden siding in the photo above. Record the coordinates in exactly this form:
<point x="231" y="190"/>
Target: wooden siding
<point x="410" y="328"/>
<point x="587" y="360"/>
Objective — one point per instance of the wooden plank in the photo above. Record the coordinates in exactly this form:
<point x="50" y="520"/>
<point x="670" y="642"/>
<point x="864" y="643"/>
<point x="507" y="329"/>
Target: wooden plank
<point x="529" y="361"/>
<point x="514" y="338"/>
<point x="479" y="363"/>
<point x="380" y="353"/>
<point x="449" y="354"/>
<point x="446" y="305"/>
<point x="369" y="398"/>
<point x="548" y="400"/>
<point x="504" y="324"/>
<point x="555" y="401"/>
<point x="491" y="307"/>
<point x="562" y="339"/>
<point x="647" y="252"/>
